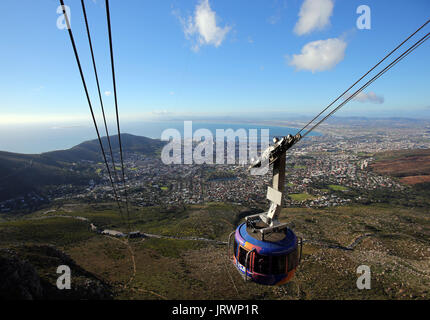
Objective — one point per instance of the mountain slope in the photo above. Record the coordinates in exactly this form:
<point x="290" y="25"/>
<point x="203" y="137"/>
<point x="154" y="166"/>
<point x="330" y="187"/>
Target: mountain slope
<point x="24" y="173"/>
<point x="21" y="174"/>
<point x="27" y="274"/>
<point x="90" y="150"/>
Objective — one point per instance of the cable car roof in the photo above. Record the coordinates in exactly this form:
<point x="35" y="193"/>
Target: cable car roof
<point x="285" y="245"/>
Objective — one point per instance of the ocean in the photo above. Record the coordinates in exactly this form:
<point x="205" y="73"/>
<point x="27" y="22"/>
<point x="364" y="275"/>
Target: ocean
<point x="33" y="139"/>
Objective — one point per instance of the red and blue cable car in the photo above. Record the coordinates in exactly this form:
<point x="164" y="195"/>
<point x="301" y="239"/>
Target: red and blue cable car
<point x="272" y="261"/>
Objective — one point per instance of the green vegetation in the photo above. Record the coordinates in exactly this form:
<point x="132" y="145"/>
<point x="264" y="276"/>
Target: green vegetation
<point x="23" y="173"/>
<point x="90" y="150"/>
<point x="58" y="231"/>
<point x="299" y="167"/>
<point x="171" y="248"/>
<point x="301" y="196"/>
<point x="395" y="249"/>
<point x="35" y="267"/>
<point x="337" y="187"/>
<point x="365" y="154"/>
<point x="212" y="221"/>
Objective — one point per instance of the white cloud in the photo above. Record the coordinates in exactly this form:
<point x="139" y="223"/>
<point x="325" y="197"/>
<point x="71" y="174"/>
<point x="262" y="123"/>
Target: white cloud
<point x="108" y="93"/>
<point x="320" y="55"/>
<point x="363" y="97"/>
<point x="314" y="15"/>
<point x="202" y="28"/>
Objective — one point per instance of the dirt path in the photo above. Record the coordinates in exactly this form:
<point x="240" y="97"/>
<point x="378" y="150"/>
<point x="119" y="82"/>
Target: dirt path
<point x="350" y="247"/>
<point x="133" y="260"/>
<point x="149" y="235"/>
<point x="150" y="292"/>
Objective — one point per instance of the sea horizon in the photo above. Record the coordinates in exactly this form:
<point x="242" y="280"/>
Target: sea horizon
<point x="40" y="138"/>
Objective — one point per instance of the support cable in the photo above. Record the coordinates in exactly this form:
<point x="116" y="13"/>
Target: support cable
<point x="392" y="64"/>
<point x="116" y="109"/>
<point x="98" y="89"/>
<point x="362" y="77"/>
<point x="72" y="40"/>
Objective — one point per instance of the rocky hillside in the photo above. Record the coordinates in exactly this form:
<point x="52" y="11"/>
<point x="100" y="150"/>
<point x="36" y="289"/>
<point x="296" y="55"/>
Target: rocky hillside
<point x="29" y="273"/>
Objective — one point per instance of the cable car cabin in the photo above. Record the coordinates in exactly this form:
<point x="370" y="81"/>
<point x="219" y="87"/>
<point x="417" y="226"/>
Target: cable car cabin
<point x="266" y="250"/>
<point x="270" y="262"/>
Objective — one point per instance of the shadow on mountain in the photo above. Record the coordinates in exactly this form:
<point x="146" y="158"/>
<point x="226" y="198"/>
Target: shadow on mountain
<point x="30" y="273"/>
<point x="21" y="174"/>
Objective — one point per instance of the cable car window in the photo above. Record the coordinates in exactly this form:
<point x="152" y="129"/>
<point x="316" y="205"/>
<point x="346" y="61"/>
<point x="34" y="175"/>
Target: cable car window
<point x="292" y="260"/>
<point x="279" y="264"/>
<point x="261" y="263"/>
<point x="242" y="255"/>
<point x="235" y="248"/>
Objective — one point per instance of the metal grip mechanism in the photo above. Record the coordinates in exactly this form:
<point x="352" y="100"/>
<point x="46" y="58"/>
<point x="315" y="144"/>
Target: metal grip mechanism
<point x="279" y="147"/>
<point x="276" y="155"/>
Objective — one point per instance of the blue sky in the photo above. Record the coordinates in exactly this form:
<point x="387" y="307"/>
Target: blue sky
<point x="200" y="58"/>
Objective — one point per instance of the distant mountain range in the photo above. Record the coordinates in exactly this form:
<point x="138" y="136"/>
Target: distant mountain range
<point x="23" y="173"/>
<point x="90" y="150"/>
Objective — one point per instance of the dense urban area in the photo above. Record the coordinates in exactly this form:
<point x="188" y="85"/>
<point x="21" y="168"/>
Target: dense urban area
<point x="327" y="170"/>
